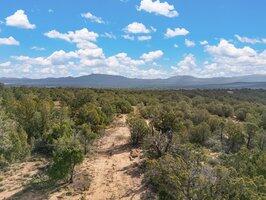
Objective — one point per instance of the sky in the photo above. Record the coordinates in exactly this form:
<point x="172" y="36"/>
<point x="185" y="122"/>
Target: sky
<point x="132" y="38"/>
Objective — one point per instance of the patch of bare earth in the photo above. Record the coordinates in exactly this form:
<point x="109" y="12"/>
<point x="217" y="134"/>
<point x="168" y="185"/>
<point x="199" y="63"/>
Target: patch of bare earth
<point x="17" y="176"/>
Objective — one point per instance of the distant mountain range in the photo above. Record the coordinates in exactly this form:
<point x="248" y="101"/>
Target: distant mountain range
<point x="113" y="81"/>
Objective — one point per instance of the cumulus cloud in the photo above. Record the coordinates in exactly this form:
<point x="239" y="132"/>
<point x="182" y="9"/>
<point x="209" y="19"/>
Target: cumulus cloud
<point x="19" y="19"/>
<point x="175" y="32"/>
<point x="226" y="49"/>
<point x="158" y="8"/>
<point x="189" y="43"/>
<point x="9" y="41"/>
<point x="136" y="28"/>
<point x="250" y="40"/>
<point x="92" y="18"/>
<point x="226" y="60"/>
<point x="86" y="59"/>
<point x="151" y="56"/>
<point x="187" y="66"/>
<point x="81" y="37"/>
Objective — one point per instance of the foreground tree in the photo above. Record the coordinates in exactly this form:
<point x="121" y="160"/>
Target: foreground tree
<point x="13" y="141"/>
<point x="236" y="136"/>
<point x="64" y="162"/>
<point x="177" y="177"/>
<point x="139" y="130"/>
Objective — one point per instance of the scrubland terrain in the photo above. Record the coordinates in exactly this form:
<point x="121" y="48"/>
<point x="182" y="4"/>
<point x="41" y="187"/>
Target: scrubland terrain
<point x="63" y="143"/>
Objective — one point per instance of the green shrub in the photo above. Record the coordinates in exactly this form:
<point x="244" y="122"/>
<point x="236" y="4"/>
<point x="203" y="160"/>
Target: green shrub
<point x="64" y="162"/>
<point x="139" y="129"/>
<point x="200" y="133"/>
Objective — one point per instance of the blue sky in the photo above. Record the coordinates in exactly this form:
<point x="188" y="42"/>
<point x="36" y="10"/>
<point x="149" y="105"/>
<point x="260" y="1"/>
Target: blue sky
<point x="133" y="38"/>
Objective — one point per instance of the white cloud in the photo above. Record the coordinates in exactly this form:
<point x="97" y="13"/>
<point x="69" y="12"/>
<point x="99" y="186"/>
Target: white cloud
<point x="37" y="48"/>
<point x="136" y="28"/>
<point x="187" y="66"/>
<point x="189" y="43"/>
<point x="50" y="11"/>
<point x="228" y="60"/>
<point x="19" y="19"/>
<point x="86" y="59"/>
<point x="5" y="64"/>
<point x="92" y="18"/>
<point x="226" y="49"/>
<point x="9" y="41"/>
<point x="157" y="7"/>
<point x="128" y="37"/>
<point x="144" y="37"/>
<point x="204" y="42"/>
<point x="176" y="45"/>
<point x="109" y="35"/>
<point x="82" y="37"/>
<point x="250" y="40"/>
<point x="175" y="32"/>
<point x="151" y="56"/>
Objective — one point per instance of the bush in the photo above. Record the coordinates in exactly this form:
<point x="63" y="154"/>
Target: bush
<point x="139" y="129"/>
<point x="177" y="177"/>
<point x="200" y="133"/>
<point x="64" y="162"/>
<point x="123" y="107"/>
<point x="241" y="114"/>
<point x="13" y="141"/>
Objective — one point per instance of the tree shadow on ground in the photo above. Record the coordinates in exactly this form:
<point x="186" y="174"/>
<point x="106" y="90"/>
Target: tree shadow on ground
<point x="38" y="190"/>
<point x="115" y="150"/>
<point x="135" y="170"/>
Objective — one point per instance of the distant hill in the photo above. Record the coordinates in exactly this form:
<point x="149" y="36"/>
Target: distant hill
<point x="113" y="81"/>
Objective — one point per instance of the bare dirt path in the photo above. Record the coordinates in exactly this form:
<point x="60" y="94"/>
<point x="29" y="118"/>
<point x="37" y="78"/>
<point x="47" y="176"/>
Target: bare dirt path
<point x="115" y="172"/>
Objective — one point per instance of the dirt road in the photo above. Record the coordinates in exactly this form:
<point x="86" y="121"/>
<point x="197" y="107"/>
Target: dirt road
<point x="115" y="173"/>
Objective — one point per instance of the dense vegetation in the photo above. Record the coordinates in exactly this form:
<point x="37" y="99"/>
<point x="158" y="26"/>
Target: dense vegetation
<point x="198" y="144"/>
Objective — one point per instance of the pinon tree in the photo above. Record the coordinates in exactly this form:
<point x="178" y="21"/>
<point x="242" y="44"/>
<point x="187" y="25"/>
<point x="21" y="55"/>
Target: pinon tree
<point x="236" y="136"/>
<point x="139" y="130"/>
<point x="13" y="140"/>
<point x="164" y="128"/>
<point x="64" y="162"/>
<point x="86" y="136"/>
<point x="66" y="156"/>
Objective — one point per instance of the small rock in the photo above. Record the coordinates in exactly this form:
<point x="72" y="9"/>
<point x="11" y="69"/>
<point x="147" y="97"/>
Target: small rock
<point x="135" y="153"/>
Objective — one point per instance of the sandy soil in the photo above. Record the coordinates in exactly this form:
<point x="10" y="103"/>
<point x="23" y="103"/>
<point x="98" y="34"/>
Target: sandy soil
<point x="110" y="174"/>
<point x="17" y="176"/>
<point x="115" y="172"/>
